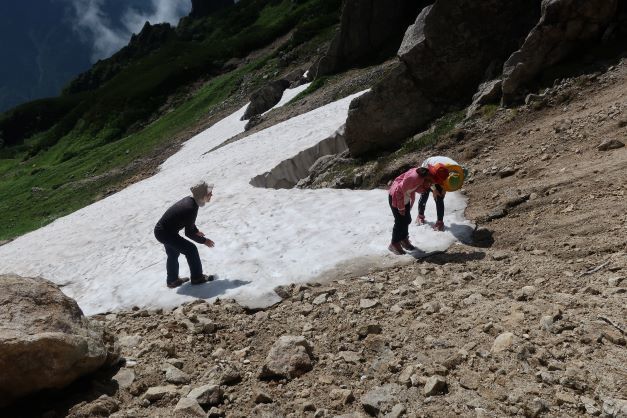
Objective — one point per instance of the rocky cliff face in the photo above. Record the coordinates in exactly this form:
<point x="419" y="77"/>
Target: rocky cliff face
<point x="370" y="31"/>
<point x="446" y="53"/>
<point x="455" y="46"/>
<point x="564" y="26"/>
<point x="150" y="38"/>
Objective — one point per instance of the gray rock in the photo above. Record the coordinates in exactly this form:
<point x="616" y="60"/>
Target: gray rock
<point x="284" y="292"/>
<point x="215" y="412"/>
<point x="176" y="376"/>
<point x="262" y="397"/>
<point x="405" y="377"/>
<point x="207" y="395"/>
<point x="380" y="399"/>
<point x="206" y="325"/>
<point x="590" y="406"/>
<point x="397" y="411"/>
<point x="289" y="357"/>
<point x="526" y="293"/>
<point x="157" y="392"/>
<point x="320" y="299"/>
<point x="350" y="356"/>
<point x="503" y="342"/>
<point x="265" y="98"/>
<point x="615" y="281"/>
<point x="562" y="398"/>
<point x="431" y="307"/>
<point x="130" y="341"/>
<point x="344" y="396"/>
<point x="103" y="406"/>
<point x="367" y="27"/>
<point x="537" y="407"/>
<point x="253" y="121"/>
<point x="507" y="172"/>
<point x="610" y="144"/>
<point x="488" y="92"/>
<point x="188" y="407"/>
<point x="124" y="378"/>
<point x="369" y="329"/>
<point x="45" y="340"/>
<point x="435" y="385"/>
<point x="563" y="27"/>
<point x="368" y="303"/>
<point x="472" y="299"/>
<point x="225" y="374"/>
<point x="266" y="411"/>
<point x="615" y="408"/>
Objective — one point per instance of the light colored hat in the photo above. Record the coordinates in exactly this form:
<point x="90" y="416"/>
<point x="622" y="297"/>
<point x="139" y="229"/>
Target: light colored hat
<point x="200" y="190"/>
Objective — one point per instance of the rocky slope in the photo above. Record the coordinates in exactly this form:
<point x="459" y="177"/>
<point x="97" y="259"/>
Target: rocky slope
<point x="526" y="320"/>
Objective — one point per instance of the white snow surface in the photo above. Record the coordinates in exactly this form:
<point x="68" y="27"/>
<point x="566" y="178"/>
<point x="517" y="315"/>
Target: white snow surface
<point x="106" y="257"/>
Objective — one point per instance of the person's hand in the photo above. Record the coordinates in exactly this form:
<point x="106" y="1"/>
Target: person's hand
<point x="200" y="234"/>
<point x="209" y="243"/>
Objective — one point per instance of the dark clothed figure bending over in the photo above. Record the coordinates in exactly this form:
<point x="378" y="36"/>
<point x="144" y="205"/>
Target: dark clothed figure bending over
<point x="400" y="231"/>
<point x="439" y="202"/>
<point x="183" y="215"/>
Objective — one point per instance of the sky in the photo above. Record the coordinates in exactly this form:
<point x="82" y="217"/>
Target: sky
<point x="46" y="43"/>
<point x="106" y="257"/>
<point x="108" y="24"/>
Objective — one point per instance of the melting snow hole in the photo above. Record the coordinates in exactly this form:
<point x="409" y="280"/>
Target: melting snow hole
<point x="289" y="172"/>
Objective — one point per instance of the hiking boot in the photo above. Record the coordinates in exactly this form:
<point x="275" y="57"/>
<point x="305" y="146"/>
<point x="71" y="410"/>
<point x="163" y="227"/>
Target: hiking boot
<point x="396" y="248"/>
<point x="439" y="226"/>
<point x="202" y="279"/>
<point x="407" y="245"/>
<point x="176" y="282"/>
<point x="420" y="220"/>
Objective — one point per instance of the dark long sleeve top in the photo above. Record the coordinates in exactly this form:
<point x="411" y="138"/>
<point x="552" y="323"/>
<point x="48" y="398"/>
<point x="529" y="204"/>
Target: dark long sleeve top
<point x="181" y="215"/>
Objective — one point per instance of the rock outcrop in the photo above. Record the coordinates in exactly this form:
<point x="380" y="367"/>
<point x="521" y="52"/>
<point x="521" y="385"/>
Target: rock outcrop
<point x="45" y="341"/>
<point x="370" y="30"/>
<point x="265" y="98"/>
<point x="564" y="26"/>
<point x="150" y="38"/>
<point x="443" y="58"/>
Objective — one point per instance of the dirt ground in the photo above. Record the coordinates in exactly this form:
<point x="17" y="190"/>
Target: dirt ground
<point x="529" y="319"/>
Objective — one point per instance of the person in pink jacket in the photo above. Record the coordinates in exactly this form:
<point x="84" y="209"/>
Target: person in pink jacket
<point x="402" y="195"/>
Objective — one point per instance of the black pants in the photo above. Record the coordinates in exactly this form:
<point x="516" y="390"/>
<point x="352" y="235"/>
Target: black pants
<point x="401" y="222"/>
<point x="439" y="203"/>
<point x="176" y="245"/>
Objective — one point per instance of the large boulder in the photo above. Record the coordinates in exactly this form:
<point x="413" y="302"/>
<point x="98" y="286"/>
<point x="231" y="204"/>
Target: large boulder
<point x="451" y="48"/>
<point x="370" y="30"/>
<point x="45" y="340"/>
<point x="564" y="26"/>
<point x="265" y="98"/>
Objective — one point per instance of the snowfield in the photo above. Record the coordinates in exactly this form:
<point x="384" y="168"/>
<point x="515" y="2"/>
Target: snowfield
<point x="106" y="257"/>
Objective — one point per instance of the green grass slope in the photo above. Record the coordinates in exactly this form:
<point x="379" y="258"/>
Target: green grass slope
<point x="62" y="154"/>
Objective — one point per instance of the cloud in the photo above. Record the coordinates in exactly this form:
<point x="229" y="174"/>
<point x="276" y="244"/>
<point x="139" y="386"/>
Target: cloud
<point x="108" y="36"/>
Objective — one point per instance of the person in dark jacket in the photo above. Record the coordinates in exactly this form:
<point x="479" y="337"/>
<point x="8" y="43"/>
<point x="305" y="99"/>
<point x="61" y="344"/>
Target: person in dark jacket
<point x="183" y="215"/>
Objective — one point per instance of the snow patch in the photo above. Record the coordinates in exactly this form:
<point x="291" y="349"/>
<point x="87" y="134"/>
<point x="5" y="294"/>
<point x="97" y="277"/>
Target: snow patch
<point x="108" y="259"/>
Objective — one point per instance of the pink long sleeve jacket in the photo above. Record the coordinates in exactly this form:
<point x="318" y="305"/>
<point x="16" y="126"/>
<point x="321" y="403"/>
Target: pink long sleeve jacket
<point x="403" y="189"/>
